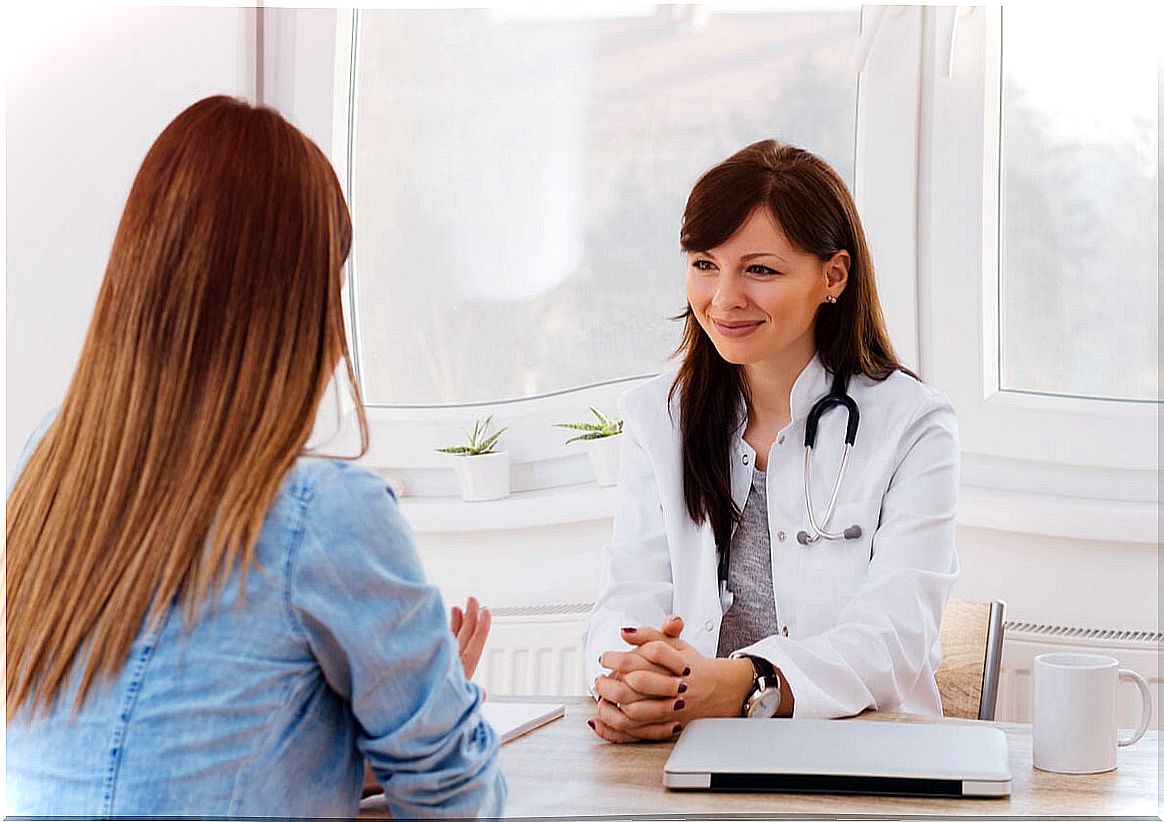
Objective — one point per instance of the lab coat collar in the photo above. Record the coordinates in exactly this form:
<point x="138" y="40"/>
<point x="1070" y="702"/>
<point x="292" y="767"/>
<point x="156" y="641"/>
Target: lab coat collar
<point x="813" y="382"/>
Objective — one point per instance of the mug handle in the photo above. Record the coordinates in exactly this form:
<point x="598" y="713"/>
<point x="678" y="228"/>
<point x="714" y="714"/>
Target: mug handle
<point x="1145" y="713"/>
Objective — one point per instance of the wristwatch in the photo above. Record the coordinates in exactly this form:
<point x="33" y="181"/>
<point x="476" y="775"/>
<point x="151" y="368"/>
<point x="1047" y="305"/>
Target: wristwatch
<point x="763" y="701"/>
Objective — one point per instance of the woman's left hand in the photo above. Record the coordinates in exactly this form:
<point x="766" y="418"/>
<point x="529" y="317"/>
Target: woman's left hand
<point x="471" y="628"/>
<point x="632" y="708"/>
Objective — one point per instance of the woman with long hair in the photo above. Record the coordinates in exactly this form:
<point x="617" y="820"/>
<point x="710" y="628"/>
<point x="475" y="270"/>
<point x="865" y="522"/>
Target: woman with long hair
<point x="201" y="620"/>
<point x="749" y="574"/>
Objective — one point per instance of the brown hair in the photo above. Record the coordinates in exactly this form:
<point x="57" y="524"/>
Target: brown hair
<point x="816" y="212"/>
<point x="216" y="331"/>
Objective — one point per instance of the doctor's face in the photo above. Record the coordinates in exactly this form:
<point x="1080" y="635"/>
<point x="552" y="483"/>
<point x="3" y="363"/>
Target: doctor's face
<point x="756" y="296"/>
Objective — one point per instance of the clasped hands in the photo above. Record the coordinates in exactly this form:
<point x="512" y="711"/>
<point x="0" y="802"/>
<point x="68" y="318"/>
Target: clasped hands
<point x="662" y="683"/>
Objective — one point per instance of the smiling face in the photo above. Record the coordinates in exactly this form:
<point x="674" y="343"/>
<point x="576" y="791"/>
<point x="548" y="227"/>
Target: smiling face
<point x="756" y="295"/>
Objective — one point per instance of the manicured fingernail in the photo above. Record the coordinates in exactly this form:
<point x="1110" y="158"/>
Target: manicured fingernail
<point x="678" y="727"/>
<point x="629" y="630"/>
<point x="679" y="704"/>
<point x="686" y="672"/>
<point x="590" y="722"/>
<point x="682" y="687"/>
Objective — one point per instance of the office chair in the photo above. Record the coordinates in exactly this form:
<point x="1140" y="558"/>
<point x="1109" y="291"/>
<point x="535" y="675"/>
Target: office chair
<point x="971" y="637"/>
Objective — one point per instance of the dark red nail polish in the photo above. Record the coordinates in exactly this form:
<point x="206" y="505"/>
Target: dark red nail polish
<point x="678" y="727"/>
<point x="629" y="630"/>
<point x="686" y="671"/>
<point x="590" y="722"/>
<point x="679" y="704"/>
<point x="682" y="687"/>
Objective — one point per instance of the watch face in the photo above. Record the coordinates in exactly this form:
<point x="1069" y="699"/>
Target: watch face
<point x="765" y="704"/>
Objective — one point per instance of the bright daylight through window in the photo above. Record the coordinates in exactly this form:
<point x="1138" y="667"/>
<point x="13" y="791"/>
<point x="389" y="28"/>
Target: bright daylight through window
<point x="520" y="178"/>
<point x="1080" y="291"/>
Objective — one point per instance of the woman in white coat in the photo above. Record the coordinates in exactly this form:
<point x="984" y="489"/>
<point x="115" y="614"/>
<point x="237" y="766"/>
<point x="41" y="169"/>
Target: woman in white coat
<point x="718" y="597"/>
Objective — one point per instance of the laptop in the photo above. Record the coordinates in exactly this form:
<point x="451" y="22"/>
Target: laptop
<point x="840" y="756"/>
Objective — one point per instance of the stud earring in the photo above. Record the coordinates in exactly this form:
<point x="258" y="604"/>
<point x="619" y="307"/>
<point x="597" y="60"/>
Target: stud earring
<point x="830" y="299"/>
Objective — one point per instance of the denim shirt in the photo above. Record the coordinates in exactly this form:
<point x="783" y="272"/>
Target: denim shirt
<point x="268" y="707"/>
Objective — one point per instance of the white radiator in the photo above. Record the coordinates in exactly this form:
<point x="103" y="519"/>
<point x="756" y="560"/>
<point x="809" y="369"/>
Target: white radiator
<point x="1137" y="650"/>
<point x="536" y="650"/>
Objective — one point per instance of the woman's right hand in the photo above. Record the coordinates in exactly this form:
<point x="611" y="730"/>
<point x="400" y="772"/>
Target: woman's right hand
<point x="471" y="628"/>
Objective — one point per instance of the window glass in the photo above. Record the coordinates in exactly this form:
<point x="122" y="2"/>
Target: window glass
<point x="1079" y="289"/>
<point x="518" y="180"/>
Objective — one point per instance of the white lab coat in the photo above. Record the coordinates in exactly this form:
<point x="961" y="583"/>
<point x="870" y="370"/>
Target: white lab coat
<point x="857" y="619"/>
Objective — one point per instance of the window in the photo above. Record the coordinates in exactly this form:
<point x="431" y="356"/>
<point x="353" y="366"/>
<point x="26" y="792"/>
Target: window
<point x="1079" y="288"/>
<point x="1024" y="326"/>
<point x="996" y="274"/>
<point x="518" y="181"/>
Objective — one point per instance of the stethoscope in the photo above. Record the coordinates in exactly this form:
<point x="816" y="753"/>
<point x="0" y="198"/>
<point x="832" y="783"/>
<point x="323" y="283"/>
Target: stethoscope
<point x="838" y="395"/>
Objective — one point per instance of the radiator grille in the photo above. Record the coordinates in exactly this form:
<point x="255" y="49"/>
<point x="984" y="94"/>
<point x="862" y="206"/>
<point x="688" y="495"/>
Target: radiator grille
<point x="580" y="609"/>
<point x="1094" y="634"/>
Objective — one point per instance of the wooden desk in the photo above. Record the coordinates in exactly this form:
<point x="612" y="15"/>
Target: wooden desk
<point x="563" y="769"/>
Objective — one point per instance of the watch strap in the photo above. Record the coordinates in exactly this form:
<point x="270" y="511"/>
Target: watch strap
<point x="764" y="677"/>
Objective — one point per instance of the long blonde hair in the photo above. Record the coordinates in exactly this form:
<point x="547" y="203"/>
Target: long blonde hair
<point x="217" y="329"/>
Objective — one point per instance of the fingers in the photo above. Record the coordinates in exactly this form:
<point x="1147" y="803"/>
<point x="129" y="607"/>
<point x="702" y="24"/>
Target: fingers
<point x="631" y="717"/>
<point x="468" y="624"/>
<point x="638" y="685"/>
<point x="456" y="617"/>
<point x="662" y="654"/>
<point x="471" y="650"/>
<point x="625" y="662"/>
<point x="613" y="726"/>
<point x="650" y="683"/>
<point x="673" y="626"/>
<point x="642" y="635"/>
<point x="608" y="733"/>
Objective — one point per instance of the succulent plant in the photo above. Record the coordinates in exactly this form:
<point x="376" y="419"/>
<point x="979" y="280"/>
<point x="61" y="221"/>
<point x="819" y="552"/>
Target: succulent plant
<point x="593" y="430"/>
<point x="479" y="441"/>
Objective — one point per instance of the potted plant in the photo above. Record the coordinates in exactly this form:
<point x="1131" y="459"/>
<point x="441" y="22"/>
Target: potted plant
<point x="482" y="473"/>
<point x="603" y="439"/>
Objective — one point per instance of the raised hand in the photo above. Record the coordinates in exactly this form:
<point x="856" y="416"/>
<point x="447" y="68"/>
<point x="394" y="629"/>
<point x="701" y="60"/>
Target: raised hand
<point x="471" y="628"/>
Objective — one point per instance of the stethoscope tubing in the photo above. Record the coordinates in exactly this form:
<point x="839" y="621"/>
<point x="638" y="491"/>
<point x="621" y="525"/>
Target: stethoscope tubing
<point x="818" y="529"/>
<point x="838" y="395"/>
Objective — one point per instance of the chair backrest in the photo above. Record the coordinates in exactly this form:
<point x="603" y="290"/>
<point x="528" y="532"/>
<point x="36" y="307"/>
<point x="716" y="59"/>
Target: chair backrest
<point x="971" y="638"/>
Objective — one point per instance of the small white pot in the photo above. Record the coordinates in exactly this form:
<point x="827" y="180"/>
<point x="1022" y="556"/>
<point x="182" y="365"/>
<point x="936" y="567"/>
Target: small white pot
<point x="603" y="455"/>
<point x="483" y="476"/>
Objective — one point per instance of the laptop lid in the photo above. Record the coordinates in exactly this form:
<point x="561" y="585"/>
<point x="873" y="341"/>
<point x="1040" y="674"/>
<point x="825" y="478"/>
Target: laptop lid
<point x="840" y="756"/>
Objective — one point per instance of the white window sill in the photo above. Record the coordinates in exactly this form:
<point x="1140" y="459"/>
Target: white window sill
<point x="563" y="505"/>
<point x="996" y="510"/>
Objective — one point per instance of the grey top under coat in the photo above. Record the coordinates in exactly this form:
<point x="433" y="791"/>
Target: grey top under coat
<point x="752" y="615"/>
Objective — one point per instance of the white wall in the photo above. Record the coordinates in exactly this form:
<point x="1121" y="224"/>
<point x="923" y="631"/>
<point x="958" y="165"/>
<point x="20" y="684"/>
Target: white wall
<point x="83" y="106"/>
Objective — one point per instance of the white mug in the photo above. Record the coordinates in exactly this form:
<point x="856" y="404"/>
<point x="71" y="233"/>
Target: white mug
<point x="1076" y="697"/>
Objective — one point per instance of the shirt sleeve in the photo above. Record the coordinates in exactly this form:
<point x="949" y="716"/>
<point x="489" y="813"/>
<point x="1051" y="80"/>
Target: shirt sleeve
<point x="635" y="582"/>
<point x="30" y="445"/>
<point x="885" y="634"/>
<point x="378" y="630"/>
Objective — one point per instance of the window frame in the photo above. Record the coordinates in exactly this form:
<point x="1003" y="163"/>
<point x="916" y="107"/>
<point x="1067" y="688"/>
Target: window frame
<point x="923" y="188"/>
<point x="1099" y="480"/>
<point x="405" y="437"/>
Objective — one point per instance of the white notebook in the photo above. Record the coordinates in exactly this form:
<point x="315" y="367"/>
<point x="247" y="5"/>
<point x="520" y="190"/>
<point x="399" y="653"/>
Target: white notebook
<point x="512" y="719"/>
